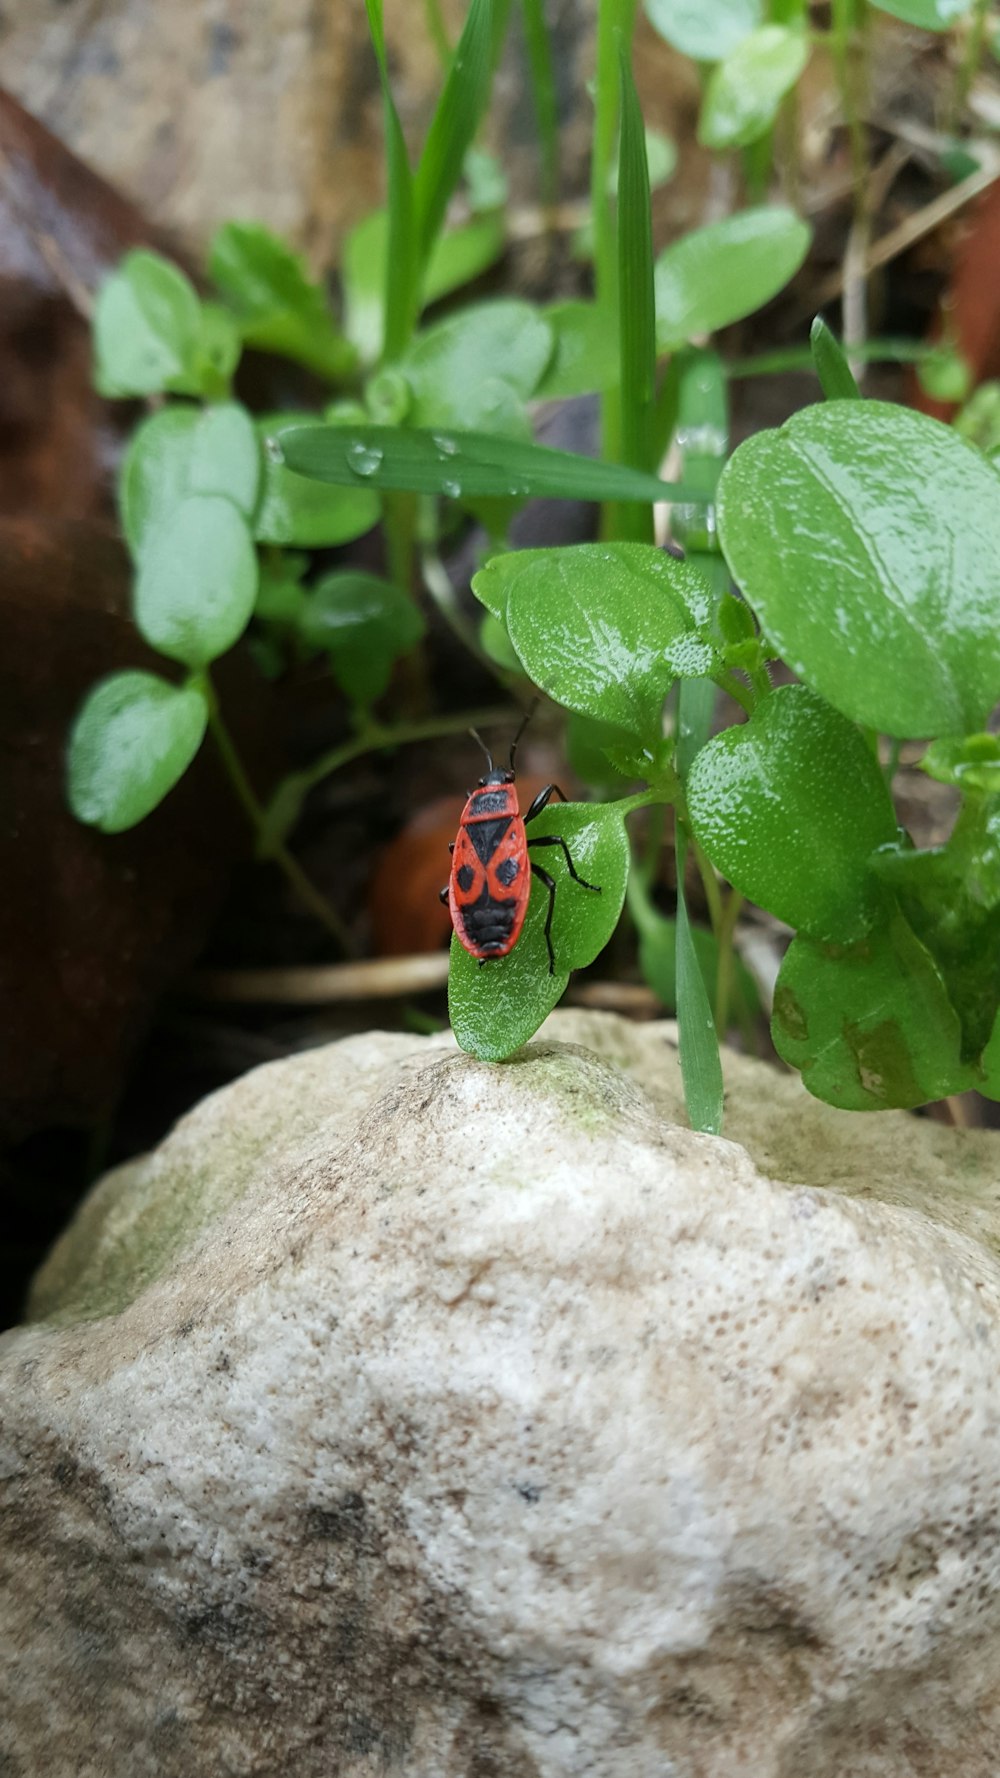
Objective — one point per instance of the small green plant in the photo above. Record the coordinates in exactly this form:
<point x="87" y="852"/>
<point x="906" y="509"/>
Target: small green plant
<point x="856" y="545"/>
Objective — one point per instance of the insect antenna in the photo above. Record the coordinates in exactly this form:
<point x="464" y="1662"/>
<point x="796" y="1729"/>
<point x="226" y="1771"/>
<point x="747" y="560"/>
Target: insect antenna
<point x="478" y="737"/>
<point x="513" y="746"/>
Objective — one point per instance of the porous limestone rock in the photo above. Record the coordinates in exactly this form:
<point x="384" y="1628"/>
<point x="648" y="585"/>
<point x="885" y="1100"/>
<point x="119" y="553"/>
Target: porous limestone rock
<point x="407" y="1415"/>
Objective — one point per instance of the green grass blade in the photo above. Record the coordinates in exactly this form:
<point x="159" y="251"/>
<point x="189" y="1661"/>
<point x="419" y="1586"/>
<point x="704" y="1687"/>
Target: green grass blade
<point x="454" y="124"/>
<point x="701" y="1067"/>
<point x="637" y="319"/>
<point x="460" y="464"/>
<point x="402" y="284"/>
<point x="543" y="92"/>
<point x="832" y="368"/>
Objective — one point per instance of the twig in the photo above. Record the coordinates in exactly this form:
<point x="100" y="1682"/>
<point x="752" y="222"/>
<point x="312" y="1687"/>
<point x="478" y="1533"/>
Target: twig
<point x="378" y="978"/>
<point x="923" y="222"/>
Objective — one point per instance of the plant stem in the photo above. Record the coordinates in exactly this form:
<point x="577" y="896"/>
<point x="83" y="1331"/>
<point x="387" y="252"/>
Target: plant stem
<point x="543" y="92"/>
<point x="615" y="22"/>
<point x="968" y="66"/>
<point x="268" y="847"/>
<point x="282" y="811"/>
<point x="724" y="939"/>
<point x="848" y="19"/>
<point x="768" y="364"/>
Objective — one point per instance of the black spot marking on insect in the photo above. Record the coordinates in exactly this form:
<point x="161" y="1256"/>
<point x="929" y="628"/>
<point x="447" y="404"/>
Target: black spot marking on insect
<point x="465" y="876"/>
<point x="506" y="871"/>
<point x="488" y="921"/>
<point x="486" y="836"/>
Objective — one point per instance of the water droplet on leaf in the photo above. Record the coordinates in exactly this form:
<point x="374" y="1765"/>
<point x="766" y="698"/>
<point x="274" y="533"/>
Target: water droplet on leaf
<point x="445" y="446"/>
<point x="452" y="488"/>
<point x="363" y="458"/>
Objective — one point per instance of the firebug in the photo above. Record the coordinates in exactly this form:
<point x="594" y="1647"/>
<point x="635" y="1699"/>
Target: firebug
<point x="490" y="883"/>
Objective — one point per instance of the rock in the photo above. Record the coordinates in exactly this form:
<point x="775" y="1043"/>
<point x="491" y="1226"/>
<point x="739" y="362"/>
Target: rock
<point x="402" y="1414"/>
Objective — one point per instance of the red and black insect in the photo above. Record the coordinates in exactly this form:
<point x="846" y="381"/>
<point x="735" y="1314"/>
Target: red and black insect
<point x="491" y="872"/>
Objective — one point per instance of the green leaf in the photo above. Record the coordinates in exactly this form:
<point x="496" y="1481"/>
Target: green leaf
<point x="789" y="806"/>
<point x="364" y="624"/>
<point x="596" y="752"/>
<point x="295" y="509"/>
<point x="402" y="260"/>
<point x="134" y="737"/>
<point x="701" y="1066"/>
<point x="496" y="1008"/>
<point x="603" y="628"/>
<point x="197" y="580"/>
<point x="717" y="274"/>
<point x="457" y="258"/>
<point x="454" y="124"/>
<point x="950" y="895"/>
<point x="280" y="308"/>
<point x="832" y="368"/>
<point x="188" y="450"/>
<point x="971" y="761"/>
<point x="495" y="642"/>
<point x="866" y="538"/>
<point x="147" y="329"/>
<point x="219" y="350"/>
<point x="745" y="90"/>
<point x="704" y="32"/>
<point x="585" y="354"/>
<point x="930" y="15"/>
<point x="478" y="368"/>
<point x="869" y="1025"/>
<point x="658" y="962"/>
<point x="460" y="464"/>
<point x="637" y="321"/>
<point x="989" y="1084"/>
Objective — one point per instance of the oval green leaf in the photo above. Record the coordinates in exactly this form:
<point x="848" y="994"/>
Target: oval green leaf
<point x="197" y="580"/>
<point x="147" y="329"/>
<point x="603" y="628"/>
<point x="929" y="15"/>
<point x="133" y="739"/>
<point x="866" y="538"/>
<point x="704" y="32"/>
<point x="364" y="624"/>
<point x="790" y="806"/>
<point x="188" y="450"/>
<point x="745" y="90"/>
<point x="585" y="355"/>
<point x="717" y="274"/>
<point x="307" y="514"/>
<point x="280" y="307"/>
<point x="869" y="1025"/>
<point x="496" y="1008"/>
<point x="477" y="369"/>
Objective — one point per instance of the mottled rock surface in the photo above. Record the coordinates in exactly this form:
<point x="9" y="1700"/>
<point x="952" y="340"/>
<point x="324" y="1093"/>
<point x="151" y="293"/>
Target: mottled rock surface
<point x="406" y="1415"/>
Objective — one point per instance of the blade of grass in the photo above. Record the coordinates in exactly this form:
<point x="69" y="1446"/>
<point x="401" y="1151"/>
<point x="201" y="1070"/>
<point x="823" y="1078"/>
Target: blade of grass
<point x="615" y="22"/>
<point x="637" y="318"/>
<point x="402" y="262"/>
<point x="701" y="1067"/>
<point x="543" y="92"/>
<point x="463" y="463"/>
<point x="832" y="368"/>
<point x="454" y="124"/>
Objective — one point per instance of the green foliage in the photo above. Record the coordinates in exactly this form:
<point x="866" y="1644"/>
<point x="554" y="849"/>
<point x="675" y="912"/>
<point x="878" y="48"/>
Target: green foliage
<point x="705" y="32"/>
<point x="364" y="624"/>
<point x="745" y="90"/>
<point x="134" y="737"/>
<point x="930" y="15"/>
<point x="495" y="1009"/>
<point x="717" y="274"/>
<point x="278" y="307"/>
<point x="790" y="806"/>
<point x="197" y="580"/>
<point x="305" y="513"/>
<point x="863" y="539"/>
<point x="148" y="330"/>
<point x="866" y="538"/>
<point x="604" y="629"/>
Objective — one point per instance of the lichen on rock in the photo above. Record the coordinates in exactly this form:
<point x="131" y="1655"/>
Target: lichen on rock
<point x="404" y="1414"/>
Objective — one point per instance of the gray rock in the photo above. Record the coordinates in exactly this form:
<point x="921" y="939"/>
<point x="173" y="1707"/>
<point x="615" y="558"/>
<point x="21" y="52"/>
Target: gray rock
<point x="402" y="1414"/>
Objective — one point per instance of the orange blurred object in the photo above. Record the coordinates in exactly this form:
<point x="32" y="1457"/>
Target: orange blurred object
<point x="406" y="913"/>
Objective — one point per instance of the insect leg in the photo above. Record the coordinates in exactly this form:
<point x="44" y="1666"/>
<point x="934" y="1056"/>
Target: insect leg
<point x="543" y="877"/>
<point x="443" y="893"/>
<point x="543" y="798"/>
<point x="554" y="839"/>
